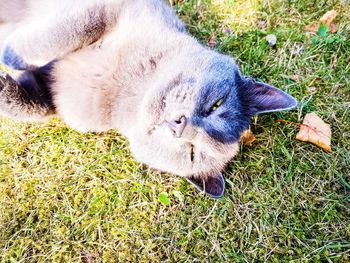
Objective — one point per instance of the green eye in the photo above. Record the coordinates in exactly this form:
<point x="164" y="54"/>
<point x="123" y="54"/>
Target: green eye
<point x="216" y="105"/>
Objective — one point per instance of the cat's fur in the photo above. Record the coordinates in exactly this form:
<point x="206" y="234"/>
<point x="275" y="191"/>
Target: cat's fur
<point x="130" y="65"/>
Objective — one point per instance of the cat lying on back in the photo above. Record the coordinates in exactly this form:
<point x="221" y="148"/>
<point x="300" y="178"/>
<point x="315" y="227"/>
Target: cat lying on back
<point x="131" y="66"/>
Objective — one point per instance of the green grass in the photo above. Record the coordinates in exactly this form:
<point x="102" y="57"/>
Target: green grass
<point x="70" y="197"/>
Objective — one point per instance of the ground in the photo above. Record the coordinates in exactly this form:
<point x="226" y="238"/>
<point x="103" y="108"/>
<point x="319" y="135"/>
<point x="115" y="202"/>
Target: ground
<point x="71" y="197"/>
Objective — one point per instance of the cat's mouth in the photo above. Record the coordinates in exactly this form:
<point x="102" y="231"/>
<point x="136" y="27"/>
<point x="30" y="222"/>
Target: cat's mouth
<point x="192" y="148"/>
<point x="190" y="145"/>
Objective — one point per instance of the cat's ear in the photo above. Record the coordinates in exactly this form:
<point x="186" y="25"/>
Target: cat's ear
<point x="258" y="97"/>
<point x="213" y="185"/>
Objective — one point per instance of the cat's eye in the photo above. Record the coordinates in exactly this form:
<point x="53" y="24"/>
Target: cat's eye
<point x="216" y="105"/>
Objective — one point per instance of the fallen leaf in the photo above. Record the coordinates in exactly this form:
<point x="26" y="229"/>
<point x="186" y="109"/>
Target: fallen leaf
<point x="333" y="28"/>
<point x="311" y="28"/>
<point x="314" y="81"/>
<point x="247" y="138"/>
<point x="325" y="24"/>
<point x="211" y="42"/>
<point x="262" y="23"/>
<point x="311" y="89"/>
<point x="295" y="78"/>
<point x="328" y="17"/>
<point x="316" y="131"/>
<point x="90" y="258"/>
<point x="319" y="29"/>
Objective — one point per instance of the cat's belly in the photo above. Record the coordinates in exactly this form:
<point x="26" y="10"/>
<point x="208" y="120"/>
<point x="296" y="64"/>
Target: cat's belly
<point x="101" y="86"/>
<point x="82" y="95"/>
<point x="84" y="112"/>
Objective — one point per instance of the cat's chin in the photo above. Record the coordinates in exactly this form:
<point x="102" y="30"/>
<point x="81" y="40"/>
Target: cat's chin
<point x="201" y="156"/>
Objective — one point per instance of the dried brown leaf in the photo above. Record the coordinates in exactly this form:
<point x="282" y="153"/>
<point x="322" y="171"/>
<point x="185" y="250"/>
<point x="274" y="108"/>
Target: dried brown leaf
<point x="247" y="138"/>
<point x="333" y="28"/>
<point x="295" y="78"/>
<point x="312" y="89"/>
<point x="262" y="23"/>
<point x="312" y="28"/>
<point x="316" y="131"/>
<point x="211" y="42"/>
<point x="328" y="17"/>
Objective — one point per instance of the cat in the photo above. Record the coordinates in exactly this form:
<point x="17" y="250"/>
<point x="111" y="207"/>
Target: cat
<point x="131" y="66"/>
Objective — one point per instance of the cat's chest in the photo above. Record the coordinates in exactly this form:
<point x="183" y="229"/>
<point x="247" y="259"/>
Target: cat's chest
<point x="99" y="87"/>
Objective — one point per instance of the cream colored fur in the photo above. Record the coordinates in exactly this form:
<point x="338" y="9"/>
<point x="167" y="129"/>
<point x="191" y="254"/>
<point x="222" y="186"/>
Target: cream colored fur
<point x="120" y="80"/>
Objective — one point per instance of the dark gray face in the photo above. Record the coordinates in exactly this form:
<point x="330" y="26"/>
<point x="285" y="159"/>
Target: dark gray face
<point x="227" y="100"/>
<point x="219" y="110"/>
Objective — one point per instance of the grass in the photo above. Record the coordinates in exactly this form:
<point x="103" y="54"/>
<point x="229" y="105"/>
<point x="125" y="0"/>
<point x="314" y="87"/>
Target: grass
<point x="71" y="197"/>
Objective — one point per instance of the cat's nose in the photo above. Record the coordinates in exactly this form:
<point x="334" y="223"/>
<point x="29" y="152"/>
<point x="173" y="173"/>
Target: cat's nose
<point x="177" y="126"/>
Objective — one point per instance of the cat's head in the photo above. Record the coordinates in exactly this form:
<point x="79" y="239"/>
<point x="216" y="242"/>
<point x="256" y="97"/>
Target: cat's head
<point x="190" y="123"/>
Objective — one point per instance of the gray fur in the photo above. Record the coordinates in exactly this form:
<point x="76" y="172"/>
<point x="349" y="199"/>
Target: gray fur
<point x="17" y="103"/>
<point x="120" y="64"/>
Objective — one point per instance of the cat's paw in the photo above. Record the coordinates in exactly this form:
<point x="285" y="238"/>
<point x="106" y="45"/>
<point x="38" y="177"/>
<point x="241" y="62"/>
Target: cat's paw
<point x="10" y="58"/>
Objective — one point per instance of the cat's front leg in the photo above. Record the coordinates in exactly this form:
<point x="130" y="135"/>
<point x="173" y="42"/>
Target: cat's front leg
<point x="69" y="27"/>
